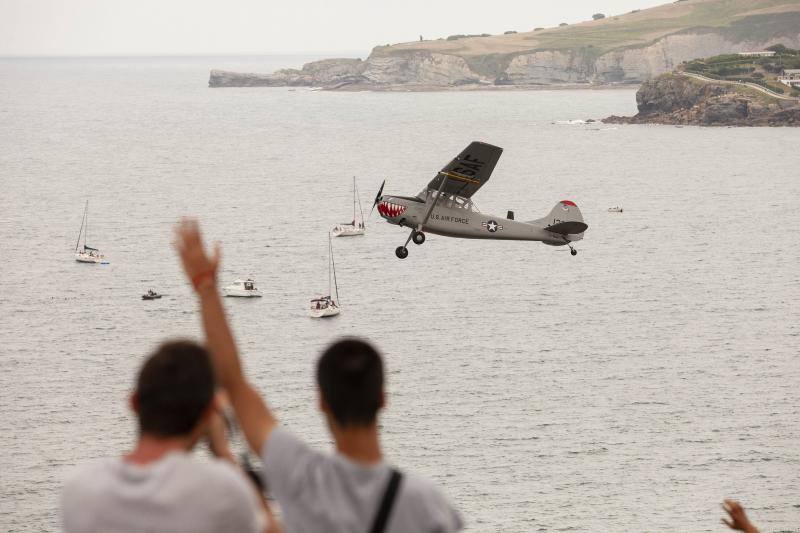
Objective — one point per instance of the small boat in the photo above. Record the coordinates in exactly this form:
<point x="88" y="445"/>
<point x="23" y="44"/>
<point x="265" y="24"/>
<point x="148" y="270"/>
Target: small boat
<point x="86" y="254"/>
<point x="326" y="306"/>
<point x="357" y="226"/>
<point x="323" y="307"/>
<point x="151" y="295"/>
<point x="242" y="289"/>
<point x="615" y="209"/>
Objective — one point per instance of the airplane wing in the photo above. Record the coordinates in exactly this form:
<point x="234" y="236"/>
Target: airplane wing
<point x="469" y="171"/>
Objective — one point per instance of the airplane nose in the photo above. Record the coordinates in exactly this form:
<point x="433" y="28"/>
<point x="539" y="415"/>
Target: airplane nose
<point x="390" y="209"/>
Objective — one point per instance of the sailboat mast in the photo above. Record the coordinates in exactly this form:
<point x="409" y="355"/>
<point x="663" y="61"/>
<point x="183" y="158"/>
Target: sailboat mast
<point x="329" y="263"/>
<point x="83" y="221"/>
<point x="354" y="200"/>
<point x="363" y="222"/>
<point x="333" y="264"/>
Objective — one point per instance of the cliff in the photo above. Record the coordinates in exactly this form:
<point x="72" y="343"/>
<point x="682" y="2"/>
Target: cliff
<point x="679" y="99"/>
<point x="629" y="48"/>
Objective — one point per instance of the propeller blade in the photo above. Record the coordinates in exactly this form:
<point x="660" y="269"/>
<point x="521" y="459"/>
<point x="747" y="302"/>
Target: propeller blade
<point x="377" y="198"/>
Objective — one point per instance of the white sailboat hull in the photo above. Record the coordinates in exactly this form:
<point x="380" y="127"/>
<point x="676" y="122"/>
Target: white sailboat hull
<point x="323" y="313"/>
<point x="82" y="257"/>
<point x="348" y="231"/>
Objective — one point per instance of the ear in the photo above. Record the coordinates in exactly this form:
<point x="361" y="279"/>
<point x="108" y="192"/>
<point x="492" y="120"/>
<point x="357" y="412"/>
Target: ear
<point x="323" y="405"/>
<point x="382" y="402"/>
<point x="133" y="402"/>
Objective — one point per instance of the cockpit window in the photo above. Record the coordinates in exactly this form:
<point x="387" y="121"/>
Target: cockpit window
<point x="448" y="200"/>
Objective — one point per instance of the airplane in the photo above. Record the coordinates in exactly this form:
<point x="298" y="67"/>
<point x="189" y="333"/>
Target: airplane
<point x="445" y="207"/>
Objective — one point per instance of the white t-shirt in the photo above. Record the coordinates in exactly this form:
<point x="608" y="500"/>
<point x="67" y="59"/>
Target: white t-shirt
<point x="174" y="494"/>
<point x="325" y="493"/>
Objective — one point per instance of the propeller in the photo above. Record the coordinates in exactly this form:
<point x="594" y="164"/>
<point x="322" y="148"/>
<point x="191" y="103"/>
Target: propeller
<point x="377" y="198"/>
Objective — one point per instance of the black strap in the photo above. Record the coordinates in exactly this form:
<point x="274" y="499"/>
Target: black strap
<point x="382" y="518"/>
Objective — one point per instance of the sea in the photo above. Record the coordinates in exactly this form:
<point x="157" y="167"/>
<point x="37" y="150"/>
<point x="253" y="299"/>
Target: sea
<point x="627" y="389"/>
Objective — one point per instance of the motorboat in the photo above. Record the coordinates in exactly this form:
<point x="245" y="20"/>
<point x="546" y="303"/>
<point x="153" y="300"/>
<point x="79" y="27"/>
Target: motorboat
<point x="242" y="288"/>
<point x="357" y="226"/>
<point x="85" y="253"/>
<point x="325" y="306"/>
<point x="615" y="209"/>
<point x="151" y="295"/>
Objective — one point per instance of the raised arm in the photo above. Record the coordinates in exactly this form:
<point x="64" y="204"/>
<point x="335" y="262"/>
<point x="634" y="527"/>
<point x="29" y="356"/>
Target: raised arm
<point x="738" y="518"/>
<point x="255" y="418"/>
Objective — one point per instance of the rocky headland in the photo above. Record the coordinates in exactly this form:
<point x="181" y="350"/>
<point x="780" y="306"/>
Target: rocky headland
<point x="625" y="49"/>
<point x="678" y="99"/>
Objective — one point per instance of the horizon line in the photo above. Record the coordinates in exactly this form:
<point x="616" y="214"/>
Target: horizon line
<point x="343" y="53"/>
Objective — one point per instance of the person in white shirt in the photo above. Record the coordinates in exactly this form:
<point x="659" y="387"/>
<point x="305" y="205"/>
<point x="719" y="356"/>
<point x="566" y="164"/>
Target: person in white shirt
<point x="351" y="491"/>
<point x="158" y="486"/>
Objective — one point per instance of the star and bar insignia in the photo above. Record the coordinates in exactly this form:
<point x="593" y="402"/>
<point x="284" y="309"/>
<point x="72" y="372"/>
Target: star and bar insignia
<point x="492" y="226"/>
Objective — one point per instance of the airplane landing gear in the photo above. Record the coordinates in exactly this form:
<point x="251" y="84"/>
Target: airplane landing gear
<point x="417" y="236"/>
<point x="572" y="250"/>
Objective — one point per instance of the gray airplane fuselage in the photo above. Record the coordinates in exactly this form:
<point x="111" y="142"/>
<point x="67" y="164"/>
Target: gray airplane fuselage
<point x="454" y="216"/>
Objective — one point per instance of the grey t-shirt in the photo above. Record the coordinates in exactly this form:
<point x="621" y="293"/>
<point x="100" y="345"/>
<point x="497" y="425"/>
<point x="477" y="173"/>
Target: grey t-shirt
<point x="325" y="493"/>
<point x="174" y="494"/>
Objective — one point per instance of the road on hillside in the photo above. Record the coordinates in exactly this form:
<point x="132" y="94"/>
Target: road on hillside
<point x="751" y="85"/>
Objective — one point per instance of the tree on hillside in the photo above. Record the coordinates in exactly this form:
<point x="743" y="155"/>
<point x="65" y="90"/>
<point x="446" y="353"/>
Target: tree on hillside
<point x="563" y="24"/>
<point x="598" y="16"/>
<point x="781" y="49"/>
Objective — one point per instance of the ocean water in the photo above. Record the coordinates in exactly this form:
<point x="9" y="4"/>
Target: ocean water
<point x="629" y="388"/>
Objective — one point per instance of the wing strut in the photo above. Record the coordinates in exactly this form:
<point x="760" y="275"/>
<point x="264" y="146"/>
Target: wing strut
<point x="402" y="251"/>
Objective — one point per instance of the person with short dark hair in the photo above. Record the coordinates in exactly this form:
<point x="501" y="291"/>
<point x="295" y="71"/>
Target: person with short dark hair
<point x="158" y="486"/>
<point x="351" y="491"/>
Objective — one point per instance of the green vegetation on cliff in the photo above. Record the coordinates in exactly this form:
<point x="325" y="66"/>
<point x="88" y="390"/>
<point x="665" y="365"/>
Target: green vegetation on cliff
<point x="736" y="19"/>
<point x="759" y="70"/>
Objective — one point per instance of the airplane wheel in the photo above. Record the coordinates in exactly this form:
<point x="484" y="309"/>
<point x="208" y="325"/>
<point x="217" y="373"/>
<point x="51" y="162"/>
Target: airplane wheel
<point x="401" y="252"/>
<point x="418" y="237"/>
<point x="574" y="252"/>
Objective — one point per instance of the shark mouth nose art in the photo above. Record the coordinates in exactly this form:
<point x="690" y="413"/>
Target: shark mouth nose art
<point x="390" y="210"/>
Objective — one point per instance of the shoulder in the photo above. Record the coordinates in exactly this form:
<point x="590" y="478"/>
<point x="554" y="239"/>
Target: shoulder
<point x="283" y="453"/>
<point x="89" y="477"/>
<point x="220" y="474"/>
<point x="83" y="491"/>
<point x="428" y="502"/>
<point x="218" y="490"/>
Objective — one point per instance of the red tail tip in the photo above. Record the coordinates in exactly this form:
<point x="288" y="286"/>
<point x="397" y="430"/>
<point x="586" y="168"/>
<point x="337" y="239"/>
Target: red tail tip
<point x="568" y="202"/>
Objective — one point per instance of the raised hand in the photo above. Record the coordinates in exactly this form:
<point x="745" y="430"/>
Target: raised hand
<point x="739" y="520"/>
<point x="200" y="267"/>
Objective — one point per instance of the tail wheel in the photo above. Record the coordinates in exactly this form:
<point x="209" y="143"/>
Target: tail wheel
<point x="401" y="252"/>
<point x="418" y="237"/>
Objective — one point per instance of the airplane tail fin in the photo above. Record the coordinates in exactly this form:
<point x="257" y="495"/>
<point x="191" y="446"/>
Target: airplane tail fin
<point x="565" y="219"/>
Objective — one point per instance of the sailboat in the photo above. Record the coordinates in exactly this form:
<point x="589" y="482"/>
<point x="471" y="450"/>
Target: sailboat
<point x="326" y="306"/>
<point x="357" y="226"/>
<point x="86" y="254"/>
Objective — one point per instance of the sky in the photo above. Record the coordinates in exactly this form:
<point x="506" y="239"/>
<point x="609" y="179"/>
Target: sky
<point x="177" y="27"/>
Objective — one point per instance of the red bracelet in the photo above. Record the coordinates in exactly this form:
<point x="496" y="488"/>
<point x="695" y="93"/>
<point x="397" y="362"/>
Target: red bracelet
<point x="201" y="277"/>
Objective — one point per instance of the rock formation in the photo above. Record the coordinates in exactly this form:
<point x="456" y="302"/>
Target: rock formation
<point x="676" y="99"/>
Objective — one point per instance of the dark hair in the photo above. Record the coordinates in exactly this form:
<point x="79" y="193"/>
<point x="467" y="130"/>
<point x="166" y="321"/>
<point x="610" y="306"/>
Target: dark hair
<point x="175" y="386"/>
<point x="350" y="378"/>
